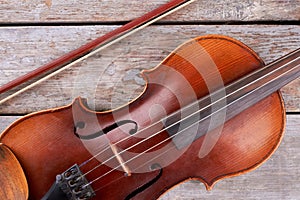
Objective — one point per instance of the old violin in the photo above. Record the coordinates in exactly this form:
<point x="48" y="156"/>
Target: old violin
<point x="210" y="110"/>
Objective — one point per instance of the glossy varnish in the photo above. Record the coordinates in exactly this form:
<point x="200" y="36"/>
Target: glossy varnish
<point x="45" y="144"/>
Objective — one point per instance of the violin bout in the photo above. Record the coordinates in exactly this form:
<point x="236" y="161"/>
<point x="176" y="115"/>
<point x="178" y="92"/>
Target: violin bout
<point x="60" y="136"/>
<point x="12" y="178"/>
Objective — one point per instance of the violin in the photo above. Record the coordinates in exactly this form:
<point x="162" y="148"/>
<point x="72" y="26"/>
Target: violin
<point x="210" y="110"/>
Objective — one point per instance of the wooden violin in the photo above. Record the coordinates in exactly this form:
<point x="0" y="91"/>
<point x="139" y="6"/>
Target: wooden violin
<point x="209" y="111"/>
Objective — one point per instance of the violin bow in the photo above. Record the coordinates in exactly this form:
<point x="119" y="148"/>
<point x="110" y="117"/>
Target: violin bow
<point x="66" y="61"/>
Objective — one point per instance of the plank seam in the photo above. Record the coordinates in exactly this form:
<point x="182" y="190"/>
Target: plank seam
<point x="119" y="23"/>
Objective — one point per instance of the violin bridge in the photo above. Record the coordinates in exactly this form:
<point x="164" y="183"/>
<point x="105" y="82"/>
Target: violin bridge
<point x="120" y="159"/>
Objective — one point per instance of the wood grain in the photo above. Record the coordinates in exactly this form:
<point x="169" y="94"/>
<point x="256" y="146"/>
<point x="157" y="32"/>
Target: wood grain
<point x="13" y="182"/>
<point x="16" y="11"/>
<point x="111" y="78"/>
<point x="277" y="178"/>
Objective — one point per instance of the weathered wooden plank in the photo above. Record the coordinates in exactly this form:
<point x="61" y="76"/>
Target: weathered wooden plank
<point x="278" y="178"/>
<point x="116" y="10"/>
<point x="5" y="121"/>
<point x="111" y="78"/>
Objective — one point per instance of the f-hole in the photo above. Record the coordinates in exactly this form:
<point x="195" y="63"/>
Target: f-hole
<point x="147" y="185"/>
<point x="81" y="125"/>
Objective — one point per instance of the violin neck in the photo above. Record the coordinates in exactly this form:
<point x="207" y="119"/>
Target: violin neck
<point x="227" y="102"/>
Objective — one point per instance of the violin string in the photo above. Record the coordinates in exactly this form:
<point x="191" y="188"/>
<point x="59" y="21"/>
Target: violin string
<point x="192" y="104"/>
<point x="187" y="107"/>
<point x="144" y="129"/>
<point x="165" y="140"/>
<point x="140" y="154"/>
<point x="147" y="162"/>
<point x="157" y="146"/>
<point x="149" y="149"/>
<point x="121" y="177"/>
<point x="143" y="140"/>
<point x="171" y="148"/>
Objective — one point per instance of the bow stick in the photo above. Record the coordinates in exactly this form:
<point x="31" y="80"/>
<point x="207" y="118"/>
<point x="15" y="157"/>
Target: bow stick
<point x="91" y="48"/>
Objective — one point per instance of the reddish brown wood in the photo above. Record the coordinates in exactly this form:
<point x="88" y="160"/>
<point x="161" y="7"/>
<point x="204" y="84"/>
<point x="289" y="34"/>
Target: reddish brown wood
<point x="81" y="51"/>
<point x="12" y="178"/>
<point x="45" y="144"/>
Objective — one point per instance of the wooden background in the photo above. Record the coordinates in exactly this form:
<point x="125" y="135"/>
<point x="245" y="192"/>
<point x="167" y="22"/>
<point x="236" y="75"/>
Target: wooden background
<point x="37" y="31"/>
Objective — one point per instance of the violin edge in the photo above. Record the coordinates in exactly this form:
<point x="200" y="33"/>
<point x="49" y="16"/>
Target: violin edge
<point x="13" y="181"/>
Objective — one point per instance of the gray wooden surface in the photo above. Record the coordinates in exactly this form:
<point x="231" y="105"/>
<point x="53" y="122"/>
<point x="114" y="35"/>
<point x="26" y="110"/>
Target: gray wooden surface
<point x="117" y="10"/>
<point x="35" y="32"/>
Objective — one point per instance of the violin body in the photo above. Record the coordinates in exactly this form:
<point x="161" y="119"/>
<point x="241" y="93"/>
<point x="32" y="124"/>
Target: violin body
<point x="47" y="143"/>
